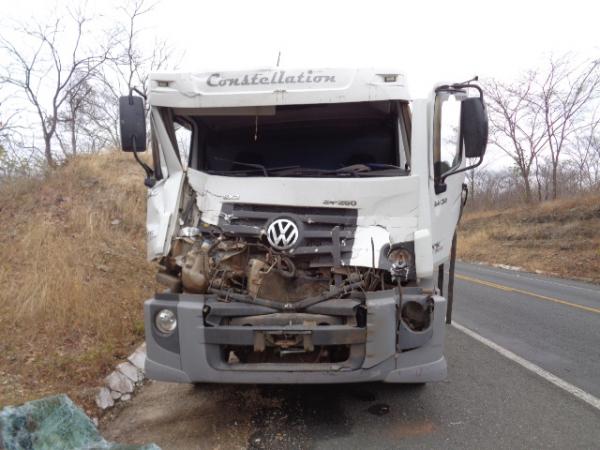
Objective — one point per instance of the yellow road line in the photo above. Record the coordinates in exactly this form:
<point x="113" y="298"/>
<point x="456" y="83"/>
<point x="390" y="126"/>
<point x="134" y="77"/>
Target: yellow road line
<point x="521" y="291"/>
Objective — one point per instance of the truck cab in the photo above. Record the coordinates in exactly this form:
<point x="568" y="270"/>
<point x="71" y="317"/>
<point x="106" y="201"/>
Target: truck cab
<point x="300" y="219"/>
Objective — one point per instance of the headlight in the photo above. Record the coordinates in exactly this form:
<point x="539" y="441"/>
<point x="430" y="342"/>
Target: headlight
<point x="400" y="255"/>
<point x="400" y="263"/>
<point x="165" y="321"/>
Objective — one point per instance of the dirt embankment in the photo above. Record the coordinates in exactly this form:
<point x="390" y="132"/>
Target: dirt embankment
<point x="560" y="237"/>
<point x="73" y="276"/>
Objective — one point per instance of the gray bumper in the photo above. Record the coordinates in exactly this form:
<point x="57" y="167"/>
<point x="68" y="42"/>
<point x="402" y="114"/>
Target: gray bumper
<point x="192" y="354"/>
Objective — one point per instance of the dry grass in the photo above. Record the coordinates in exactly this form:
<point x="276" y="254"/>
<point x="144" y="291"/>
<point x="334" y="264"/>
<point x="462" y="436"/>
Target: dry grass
<point x="560" y="237"/>
<point x="73" y="276"/>
<point x="73" y="280"/>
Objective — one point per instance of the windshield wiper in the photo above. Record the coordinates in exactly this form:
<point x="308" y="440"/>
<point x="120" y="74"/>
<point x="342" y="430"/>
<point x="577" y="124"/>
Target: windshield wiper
<point x="297" y="170"/>
<point x="233" y="172"/>
<point x="260" y="167"/>
<point x="353" y="170"/>
<point x="366" y="169"/>
<point x="233" y="163"/>
<point x="252" y="167"/>
<point x="380" y="166"/>
<point x="356" y="170"/>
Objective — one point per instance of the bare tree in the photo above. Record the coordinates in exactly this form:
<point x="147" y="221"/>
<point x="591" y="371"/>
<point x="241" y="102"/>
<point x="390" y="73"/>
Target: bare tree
<point x="15" y="157"/>
<point x="584" y="156"/>
<point x="563" y="97"/>
<point x="494" y="188"/>
<point x="594" y="161"/>
<point x="52" y="72"/>
<point x="74" y="112"/>
<point x="516" y="129"/>
<point x="130" y="68"/>
<point x="6" y="123"/>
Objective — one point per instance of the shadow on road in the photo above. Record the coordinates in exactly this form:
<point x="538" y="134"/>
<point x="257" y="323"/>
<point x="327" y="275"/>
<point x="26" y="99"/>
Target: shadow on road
<point x="269" y="416"/>
<point x="301" y="414"/>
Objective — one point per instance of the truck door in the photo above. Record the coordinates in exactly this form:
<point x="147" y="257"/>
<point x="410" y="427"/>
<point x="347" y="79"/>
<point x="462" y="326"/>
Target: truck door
<point x="447" y="156"/>
<point x="164" y="197"/>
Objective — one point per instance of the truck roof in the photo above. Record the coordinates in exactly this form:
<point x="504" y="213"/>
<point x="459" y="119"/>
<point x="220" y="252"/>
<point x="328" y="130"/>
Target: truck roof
<point x="275" y="86"/>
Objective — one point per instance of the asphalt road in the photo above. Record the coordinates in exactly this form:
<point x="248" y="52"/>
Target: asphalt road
<point x="553" y="323"/>
<point x="488" y="401"/>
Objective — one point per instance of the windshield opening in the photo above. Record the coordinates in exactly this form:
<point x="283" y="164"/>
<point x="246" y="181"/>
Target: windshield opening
<point x="342" y="139"/>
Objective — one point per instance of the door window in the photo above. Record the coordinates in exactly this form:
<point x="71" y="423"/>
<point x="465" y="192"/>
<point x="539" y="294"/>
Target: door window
<point x="446" y="148"/>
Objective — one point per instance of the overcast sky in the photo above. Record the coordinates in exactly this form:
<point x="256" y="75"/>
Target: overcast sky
<point x="429" y="41"/>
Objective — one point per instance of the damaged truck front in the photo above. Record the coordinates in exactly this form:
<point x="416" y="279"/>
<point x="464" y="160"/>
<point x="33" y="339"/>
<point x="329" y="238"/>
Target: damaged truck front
<point x="299" y="219"/>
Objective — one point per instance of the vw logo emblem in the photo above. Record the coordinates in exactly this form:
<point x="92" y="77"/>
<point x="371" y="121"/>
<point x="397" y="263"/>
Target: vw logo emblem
<point x="282" y="234"/>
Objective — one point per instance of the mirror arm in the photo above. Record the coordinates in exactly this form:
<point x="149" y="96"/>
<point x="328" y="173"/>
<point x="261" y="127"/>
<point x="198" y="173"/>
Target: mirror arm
<point x="460" y="87"/>
<point x="150" y="180"/>
<point x="456" y="87"/>
<point x="134" y="89"/>
<point x="464" y="169"/>
<point x="469" y="84"/>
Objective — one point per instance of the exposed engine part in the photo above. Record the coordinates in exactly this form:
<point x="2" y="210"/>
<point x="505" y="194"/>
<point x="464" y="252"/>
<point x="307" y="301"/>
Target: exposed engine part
<point x="286" y="267"/>
<point x="171" y="281"/>
<point x="246" y="269"/>
<point x="282" y="319"/>
<point x="189" y="232"/>
<point x="292" y="306"/>
<point x="295" y="343"/>
<point x="196" y="266"/>
<point x="257" y="270"/>
<point x="294" y="355"/>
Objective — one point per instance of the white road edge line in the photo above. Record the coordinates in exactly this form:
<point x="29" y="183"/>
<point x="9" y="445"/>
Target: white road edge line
<point x="559" y="382"/>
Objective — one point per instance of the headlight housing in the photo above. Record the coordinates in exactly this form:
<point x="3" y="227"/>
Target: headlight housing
<point x="166" y="321"/>
<point x="400" y="263"/>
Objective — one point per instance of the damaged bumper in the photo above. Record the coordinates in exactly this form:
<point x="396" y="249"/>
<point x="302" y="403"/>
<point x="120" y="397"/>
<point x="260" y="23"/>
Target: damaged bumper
<point x="335" y="341"/>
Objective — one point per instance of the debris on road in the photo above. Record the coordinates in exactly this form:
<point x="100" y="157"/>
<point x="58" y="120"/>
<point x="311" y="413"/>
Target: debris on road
<point x="51" y="423"/>
<point x="379" y="409"/>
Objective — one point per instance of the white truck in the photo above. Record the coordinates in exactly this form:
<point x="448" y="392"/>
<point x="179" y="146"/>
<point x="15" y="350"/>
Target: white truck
<point x="300" y="220"/>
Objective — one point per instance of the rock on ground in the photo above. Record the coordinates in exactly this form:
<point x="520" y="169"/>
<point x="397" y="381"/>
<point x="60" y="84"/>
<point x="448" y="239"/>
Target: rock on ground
<point x="130" y="371"/>
<point x="138" y="357"/>
<point x="116" y="381"/>
<point x="104" y="398"/>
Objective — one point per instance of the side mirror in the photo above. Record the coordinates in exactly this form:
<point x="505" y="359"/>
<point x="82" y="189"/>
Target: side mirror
<point x="132" y="118"/>
<point x="473" y="131"/>
<point x="474" y="127"/>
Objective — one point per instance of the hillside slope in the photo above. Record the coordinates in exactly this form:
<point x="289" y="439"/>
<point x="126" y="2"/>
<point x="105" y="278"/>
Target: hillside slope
<point x="560" y="237"/>
<point x="73" y="276"/>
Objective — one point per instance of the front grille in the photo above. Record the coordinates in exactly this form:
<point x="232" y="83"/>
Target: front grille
<point x="325" y="233"/>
